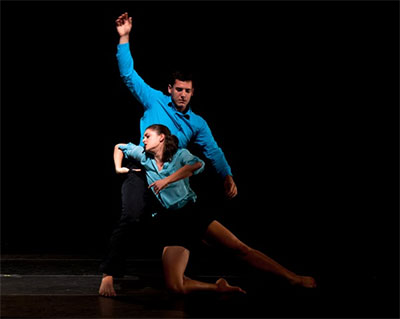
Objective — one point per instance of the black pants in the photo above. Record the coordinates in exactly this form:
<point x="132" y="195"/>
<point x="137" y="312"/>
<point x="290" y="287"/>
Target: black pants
<point x="135" y="196"/>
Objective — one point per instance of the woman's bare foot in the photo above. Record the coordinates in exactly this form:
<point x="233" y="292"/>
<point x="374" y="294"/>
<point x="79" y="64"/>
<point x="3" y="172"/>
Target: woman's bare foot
<point x="107" y="286"/>
<point x="304" y="281"/>
<point x="223" y="286"/>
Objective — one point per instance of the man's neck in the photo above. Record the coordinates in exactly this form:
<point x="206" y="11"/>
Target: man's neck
<point x="182" y="109"/>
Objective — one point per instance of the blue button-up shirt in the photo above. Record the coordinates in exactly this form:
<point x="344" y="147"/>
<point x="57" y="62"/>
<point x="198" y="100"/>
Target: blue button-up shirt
<point x="177" y="194"/>
<point x="159" y="109"/>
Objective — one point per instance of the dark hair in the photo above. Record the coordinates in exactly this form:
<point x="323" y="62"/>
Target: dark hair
<point x="171" y="141"/>
<point x="181" y="75"/>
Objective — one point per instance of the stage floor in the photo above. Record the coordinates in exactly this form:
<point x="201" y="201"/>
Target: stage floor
<point x="54" y="286"/>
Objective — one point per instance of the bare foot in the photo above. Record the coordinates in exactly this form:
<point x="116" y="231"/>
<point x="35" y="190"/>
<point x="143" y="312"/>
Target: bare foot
<point x="223" y="286"/>
<point x="304" y="281"/>
<point x="107" y="286"/>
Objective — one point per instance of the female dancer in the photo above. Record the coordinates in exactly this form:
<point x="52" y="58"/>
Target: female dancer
<point x="182" y="223"/>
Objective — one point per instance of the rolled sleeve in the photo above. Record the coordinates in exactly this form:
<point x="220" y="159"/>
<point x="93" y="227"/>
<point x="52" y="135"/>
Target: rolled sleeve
<point x="187" y="158"/>
<point x="131" y="150"/>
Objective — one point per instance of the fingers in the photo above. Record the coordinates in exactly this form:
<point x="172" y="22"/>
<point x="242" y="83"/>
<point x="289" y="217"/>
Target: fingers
<point x="231" y="192"/>
<point x="122" y="19"/>
<point x="230" y="187"/>
<point x="156" y="190"/>
<point x="119" y="20"/>
<point x="122" y="170"/>
<point x="242" y="291"/>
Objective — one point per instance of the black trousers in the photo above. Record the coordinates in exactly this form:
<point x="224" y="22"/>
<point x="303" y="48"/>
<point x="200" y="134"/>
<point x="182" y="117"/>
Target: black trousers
<point x="135" y="197"/>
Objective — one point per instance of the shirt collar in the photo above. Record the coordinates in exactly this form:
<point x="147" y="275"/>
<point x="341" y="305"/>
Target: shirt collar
<point x="186" y="115"/>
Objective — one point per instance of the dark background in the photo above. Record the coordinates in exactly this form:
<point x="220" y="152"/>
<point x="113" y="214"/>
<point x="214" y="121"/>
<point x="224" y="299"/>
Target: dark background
<point x="301" y="96"/>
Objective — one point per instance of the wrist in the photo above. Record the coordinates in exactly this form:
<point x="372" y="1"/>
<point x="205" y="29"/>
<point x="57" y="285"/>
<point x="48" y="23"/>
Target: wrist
<point x="167" y="180"/>
<point x="228" y="177"/>
<point x="124" y="39"/>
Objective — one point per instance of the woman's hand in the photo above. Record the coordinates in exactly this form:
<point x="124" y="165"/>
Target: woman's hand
<point x="159" y="185"/>
<point x="122" y="170"/>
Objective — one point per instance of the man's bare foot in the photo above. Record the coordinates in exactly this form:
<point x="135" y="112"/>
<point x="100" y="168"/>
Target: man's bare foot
<point x="304" y="281"/>
<point x="107" y="286"/>
<point x="223" y="286"/>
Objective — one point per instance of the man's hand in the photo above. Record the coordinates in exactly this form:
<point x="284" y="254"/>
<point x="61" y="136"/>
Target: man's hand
<point x="230" y="187"/>
<point x="124" y="26"/>
<point x="159" y="185"/>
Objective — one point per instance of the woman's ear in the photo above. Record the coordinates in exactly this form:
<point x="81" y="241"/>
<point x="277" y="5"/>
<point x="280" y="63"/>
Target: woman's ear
<point x="162" y="137"/>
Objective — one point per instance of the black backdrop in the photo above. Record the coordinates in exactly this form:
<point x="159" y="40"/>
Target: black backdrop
<point x="301" y="96"/>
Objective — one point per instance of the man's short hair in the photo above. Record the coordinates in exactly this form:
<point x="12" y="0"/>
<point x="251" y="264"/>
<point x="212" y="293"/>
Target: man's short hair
<point x="180" y="75"/>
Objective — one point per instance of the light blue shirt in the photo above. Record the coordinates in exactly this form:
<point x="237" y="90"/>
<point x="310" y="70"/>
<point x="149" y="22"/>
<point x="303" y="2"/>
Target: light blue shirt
<point x="159" y="109"/>
<point x="177" y="194"/>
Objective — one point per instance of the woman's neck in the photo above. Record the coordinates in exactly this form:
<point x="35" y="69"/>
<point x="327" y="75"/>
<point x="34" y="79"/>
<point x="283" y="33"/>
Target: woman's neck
<point x="158" y="156"/>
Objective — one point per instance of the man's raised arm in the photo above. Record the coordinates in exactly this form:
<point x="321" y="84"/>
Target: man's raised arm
<point x="145" y="94"/>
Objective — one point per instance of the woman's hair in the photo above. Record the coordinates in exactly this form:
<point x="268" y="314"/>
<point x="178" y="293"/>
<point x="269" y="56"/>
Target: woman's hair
<point x="170" y="143"/>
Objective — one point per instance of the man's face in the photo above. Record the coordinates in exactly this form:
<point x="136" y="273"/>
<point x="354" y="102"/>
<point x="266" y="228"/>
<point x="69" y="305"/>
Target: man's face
<point x="181" y="93"/>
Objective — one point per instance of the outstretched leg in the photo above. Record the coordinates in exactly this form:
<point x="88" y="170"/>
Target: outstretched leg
<point x="218" y="234"/>
<point x="175" y="259"/>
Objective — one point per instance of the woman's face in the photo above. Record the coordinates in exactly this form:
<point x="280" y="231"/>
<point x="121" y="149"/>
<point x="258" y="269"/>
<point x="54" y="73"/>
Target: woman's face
<point x="152" y="140"/>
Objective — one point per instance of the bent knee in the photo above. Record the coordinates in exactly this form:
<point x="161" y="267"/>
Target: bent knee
<point x="178" y="287"/>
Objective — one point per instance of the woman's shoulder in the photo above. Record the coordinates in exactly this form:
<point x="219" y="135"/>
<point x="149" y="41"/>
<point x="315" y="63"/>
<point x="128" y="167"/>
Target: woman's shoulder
<point x="179" y="155"/>
<point x="182" y="151"/>
<point x="183" y="155"/>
